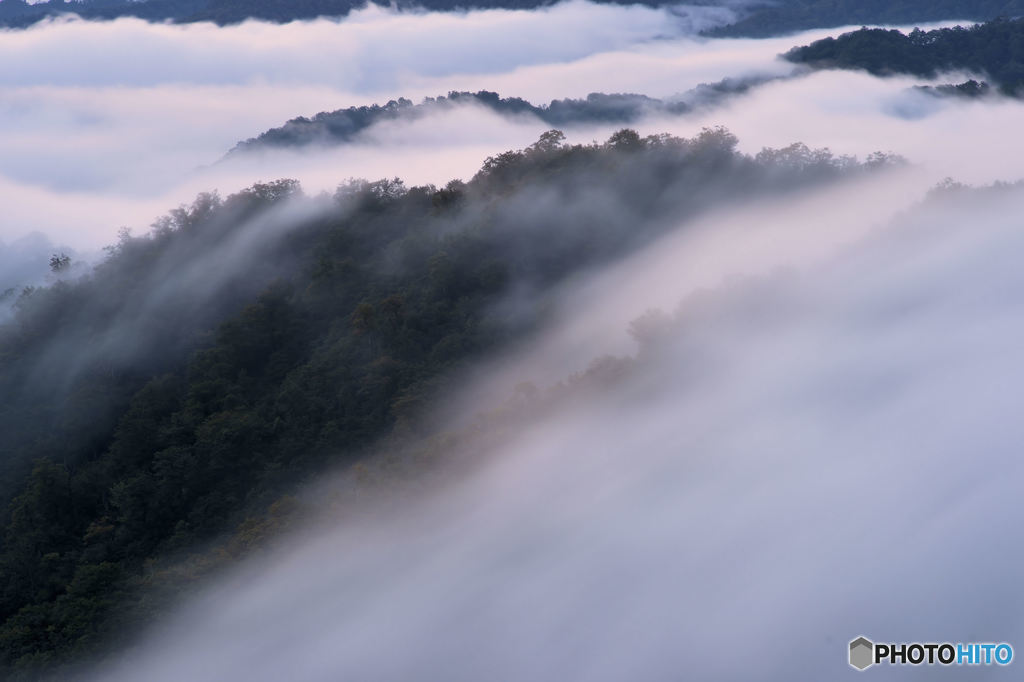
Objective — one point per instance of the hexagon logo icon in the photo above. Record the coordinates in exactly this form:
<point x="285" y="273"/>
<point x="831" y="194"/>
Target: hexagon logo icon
<point x="862" y="653"/>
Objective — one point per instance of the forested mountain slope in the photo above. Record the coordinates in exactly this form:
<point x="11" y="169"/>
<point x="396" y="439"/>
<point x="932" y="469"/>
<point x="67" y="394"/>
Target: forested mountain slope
<point x="790" y="16"/>
<point x="995" y="49"/>
<point x="345" y="125"/>
<point x="186" y="387"/>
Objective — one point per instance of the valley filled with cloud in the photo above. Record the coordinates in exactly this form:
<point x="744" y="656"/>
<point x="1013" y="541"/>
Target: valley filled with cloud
<point x="705" y="383"/>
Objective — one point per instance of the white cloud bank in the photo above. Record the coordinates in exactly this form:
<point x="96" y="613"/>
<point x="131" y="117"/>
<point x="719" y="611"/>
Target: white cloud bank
<point x="110" y="124"/>
<point x="823" y="451"/>
<point x="105" y="123"/>
<point x="739" y="497"/>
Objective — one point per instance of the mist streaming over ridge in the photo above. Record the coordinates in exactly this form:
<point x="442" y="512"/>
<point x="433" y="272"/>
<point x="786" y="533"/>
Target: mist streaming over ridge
<point x="192" y="380"/>
<point x="778" y="464"/>
<point x="707" y="398"/>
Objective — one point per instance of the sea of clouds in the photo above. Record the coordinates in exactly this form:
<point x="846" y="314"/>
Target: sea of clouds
<point x="104" y="125"/>
<point x="827" y="445"/>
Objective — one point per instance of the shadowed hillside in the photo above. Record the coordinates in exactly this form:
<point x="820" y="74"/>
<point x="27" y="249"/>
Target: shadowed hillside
<point x="180" y="392"/>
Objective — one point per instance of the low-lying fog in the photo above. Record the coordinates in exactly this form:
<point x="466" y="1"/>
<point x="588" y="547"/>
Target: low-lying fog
<point x="110" y="124"/>
<point x="823" y="444"/>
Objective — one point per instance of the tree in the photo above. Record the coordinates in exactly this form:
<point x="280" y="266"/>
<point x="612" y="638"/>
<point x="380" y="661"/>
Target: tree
<point x="549" y="141"/>
<point x="60" y="262"/>
<point x="625" y="140"/>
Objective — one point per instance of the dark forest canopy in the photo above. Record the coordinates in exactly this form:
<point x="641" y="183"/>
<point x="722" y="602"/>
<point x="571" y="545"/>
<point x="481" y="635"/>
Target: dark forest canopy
<point x="995" y="49"/>
<point x="790" y="16"/>
<point x="759" y="20"/>
<point x="344" y="125"/>
<point x="181" y="392"/>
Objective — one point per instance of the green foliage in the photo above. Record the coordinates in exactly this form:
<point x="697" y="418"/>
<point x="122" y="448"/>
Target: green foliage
<point x="175" y="398"/>
<point x="790" y="16"/>
<point x="995" y="48"/>
<point x="344" y="125"/>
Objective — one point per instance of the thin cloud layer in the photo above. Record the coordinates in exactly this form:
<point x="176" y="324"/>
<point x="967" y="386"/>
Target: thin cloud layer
<point x="850" y="112"/>
<point x="123" y="117"/>
<point x="372" y="50"/>
<point x="121" y="114"/>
